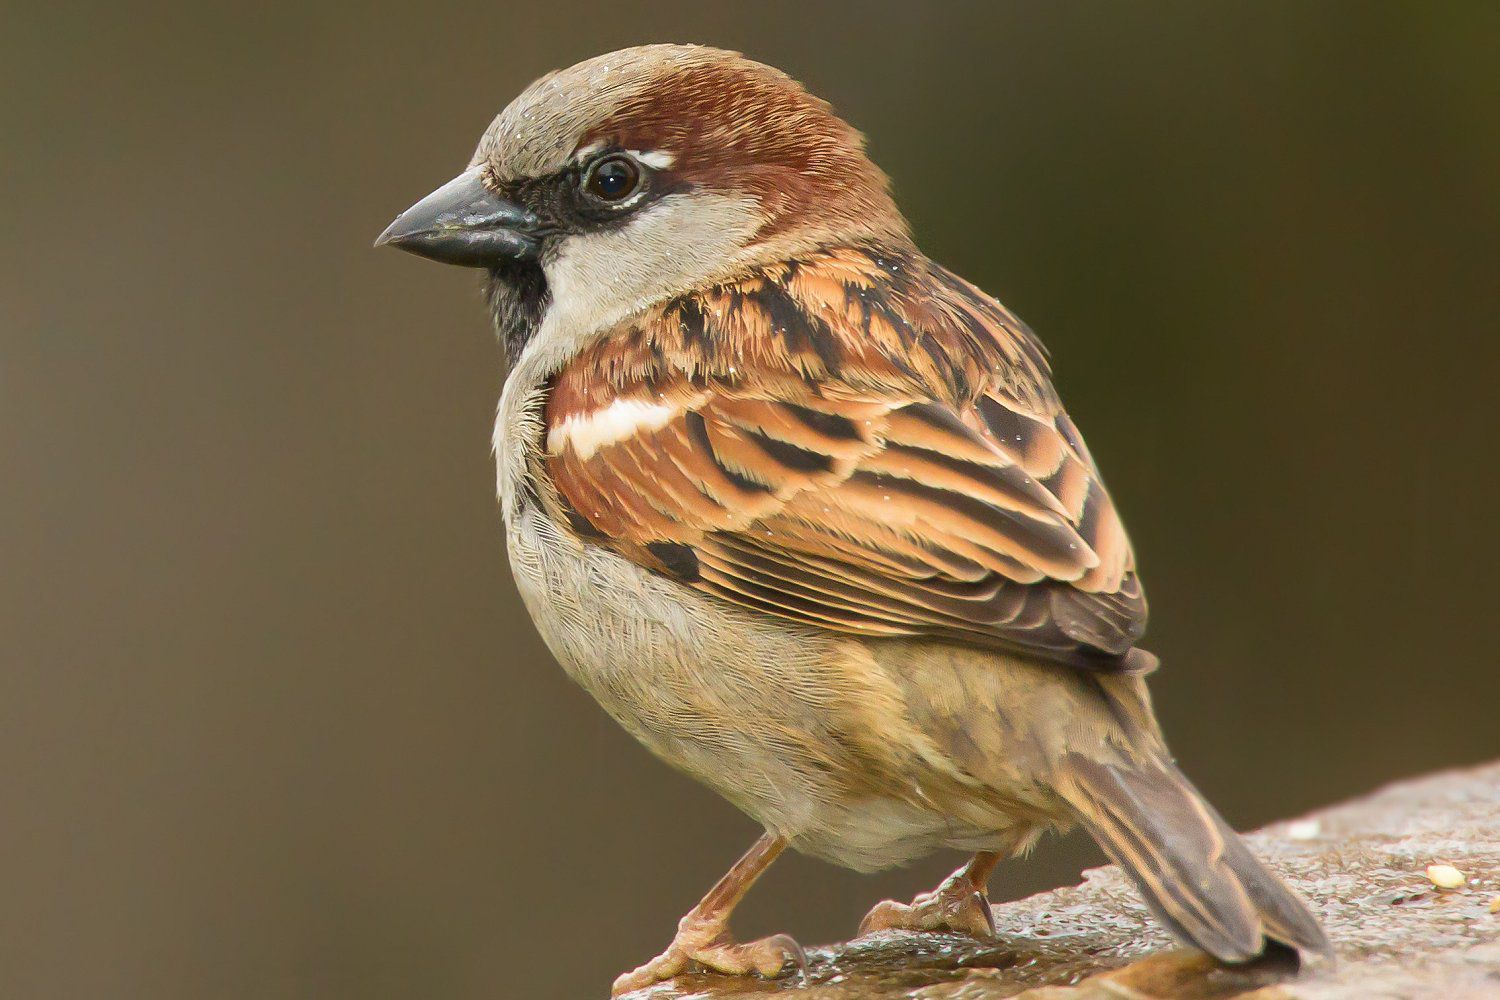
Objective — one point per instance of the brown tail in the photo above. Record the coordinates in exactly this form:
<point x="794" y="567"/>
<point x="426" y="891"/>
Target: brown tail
<point x="1195" y="872"/>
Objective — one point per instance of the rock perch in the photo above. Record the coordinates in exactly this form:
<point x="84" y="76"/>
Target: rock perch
<point x="1406" y="880"/>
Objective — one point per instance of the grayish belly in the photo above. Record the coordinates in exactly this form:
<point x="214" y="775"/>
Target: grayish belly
<point x="769" y="715"/>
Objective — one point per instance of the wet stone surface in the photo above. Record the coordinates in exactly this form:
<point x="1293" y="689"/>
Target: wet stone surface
<point x="1363" y="865"/>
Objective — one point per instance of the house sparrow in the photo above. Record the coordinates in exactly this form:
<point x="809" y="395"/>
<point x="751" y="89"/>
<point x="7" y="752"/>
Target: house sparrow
<point x="803" y="511"/>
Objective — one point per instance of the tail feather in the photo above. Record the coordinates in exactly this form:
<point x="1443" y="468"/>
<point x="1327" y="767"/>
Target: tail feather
<point x="1283" y="913"/>
<point x="1195" y="872"/>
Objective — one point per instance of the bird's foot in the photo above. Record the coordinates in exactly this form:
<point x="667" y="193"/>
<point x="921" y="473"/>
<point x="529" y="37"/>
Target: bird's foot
<point x="706" y="942"/>
<point x="958" y="905"/>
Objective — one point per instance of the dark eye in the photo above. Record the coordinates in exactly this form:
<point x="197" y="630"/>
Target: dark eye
<point x="613" y="178"/>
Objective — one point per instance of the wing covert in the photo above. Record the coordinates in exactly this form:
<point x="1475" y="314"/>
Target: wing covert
<point x="860" y="442"/>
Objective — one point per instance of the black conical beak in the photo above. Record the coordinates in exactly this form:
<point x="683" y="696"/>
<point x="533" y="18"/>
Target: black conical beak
<point x="464" y="223"/>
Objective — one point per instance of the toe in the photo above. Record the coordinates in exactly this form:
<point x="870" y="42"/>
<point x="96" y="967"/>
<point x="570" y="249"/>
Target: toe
<point x="661" y="968"/>
<point x="966" y="912"/>
<point x="886" y="915"/>
<point x="768" y="957"/>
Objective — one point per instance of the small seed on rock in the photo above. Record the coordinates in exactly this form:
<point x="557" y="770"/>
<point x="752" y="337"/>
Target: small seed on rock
<point x="1445" y="876"/>
<point x="1495" y="905"/>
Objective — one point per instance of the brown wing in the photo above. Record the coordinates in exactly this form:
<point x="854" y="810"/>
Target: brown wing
<point x="861" y="442"/>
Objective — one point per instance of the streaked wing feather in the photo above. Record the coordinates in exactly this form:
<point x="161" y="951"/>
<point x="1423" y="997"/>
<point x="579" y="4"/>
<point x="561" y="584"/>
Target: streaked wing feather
<point x="859" y="442"/>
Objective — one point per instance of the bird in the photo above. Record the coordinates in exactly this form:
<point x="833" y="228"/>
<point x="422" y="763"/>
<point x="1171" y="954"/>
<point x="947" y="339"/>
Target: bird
<point x="803" y="511"/>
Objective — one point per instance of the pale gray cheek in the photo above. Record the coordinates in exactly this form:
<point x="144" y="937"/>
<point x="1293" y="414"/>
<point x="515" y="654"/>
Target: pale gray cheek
<point x="598" y="279"/>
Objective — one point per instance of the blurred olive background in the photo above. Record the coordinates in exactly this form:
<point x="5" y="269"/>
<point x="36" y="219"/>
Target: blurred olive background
<point x="273" y="723"/>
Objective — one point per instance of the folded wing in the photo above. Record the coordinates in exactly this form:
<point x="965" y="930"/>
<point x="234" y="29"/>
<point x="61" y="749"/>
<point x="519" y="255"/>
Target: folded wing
<point x="859" y="442"/>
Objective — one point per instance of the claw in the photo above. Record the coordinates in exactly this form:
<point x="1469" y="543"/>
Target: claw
<point x="990" y="930"/>
<point x="793" y="951"/>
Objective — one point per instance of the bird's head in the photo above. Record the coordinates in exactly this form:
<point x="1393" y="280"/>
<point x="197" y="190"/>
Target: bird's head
<point x="644" y="173"/>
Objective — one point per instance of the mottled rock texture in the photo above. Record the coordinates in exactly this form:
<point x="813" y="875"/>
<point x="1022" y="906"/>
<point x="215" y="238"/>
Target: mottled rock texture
<point x="1362" y="864"/>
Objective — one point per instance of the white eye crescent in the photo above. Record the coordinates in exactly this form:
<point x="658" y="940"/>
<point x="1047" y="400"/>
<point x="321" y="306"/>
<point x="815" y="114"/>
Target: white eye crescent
<point x="656" y="159"/>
